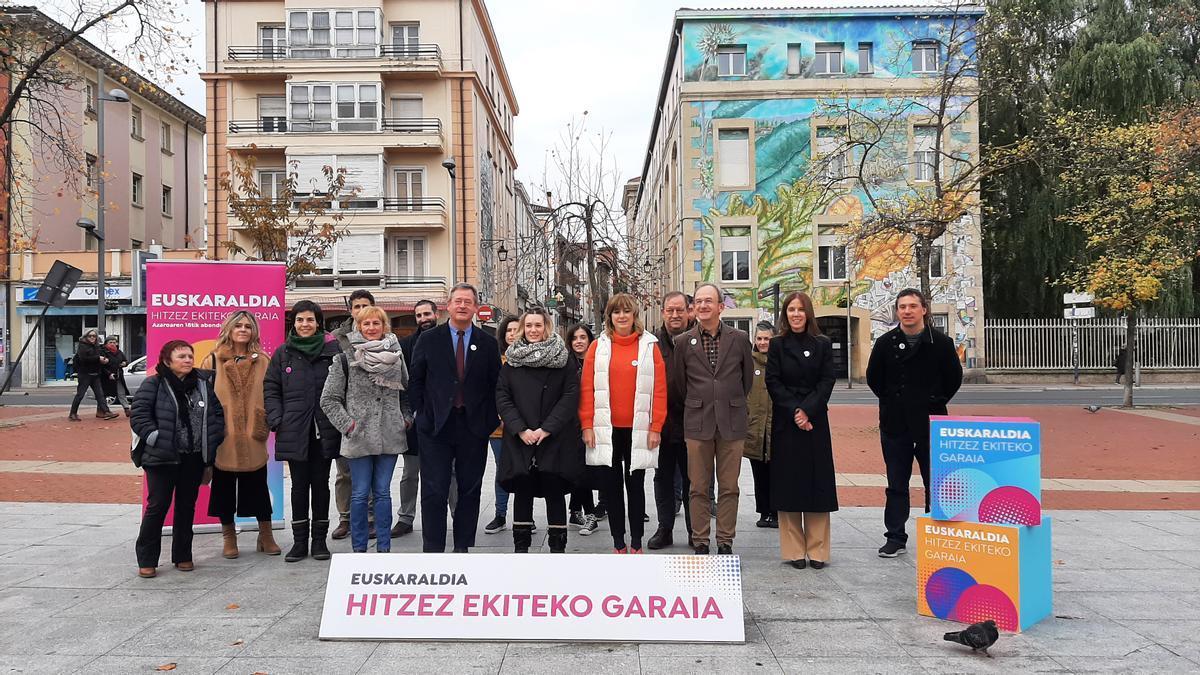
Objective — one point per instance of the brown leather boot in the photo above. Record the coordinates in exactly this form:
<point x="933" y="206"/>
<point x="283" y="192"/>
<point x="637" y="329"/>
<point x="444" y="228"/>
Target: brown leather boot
<point x="229" y="534"/>
<point x="266" y="540"/>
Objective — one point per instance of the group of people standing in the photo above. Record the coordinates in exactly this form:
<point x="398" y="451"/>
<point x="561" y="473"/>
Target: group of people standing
<point x="573" y="414"/>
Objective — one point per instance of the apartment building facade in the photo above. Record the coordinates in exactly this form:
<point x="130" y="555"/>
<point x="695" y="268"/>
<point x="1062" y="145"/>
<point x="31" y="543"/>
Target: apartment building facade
<point x="743" y="118"/>
<point x="409" y="99"/>
<point x="152" y="170"/>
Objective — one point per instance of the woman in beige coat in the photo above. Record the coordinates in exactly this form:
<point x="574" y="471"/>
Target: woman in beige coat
<point x="239" y="484"/>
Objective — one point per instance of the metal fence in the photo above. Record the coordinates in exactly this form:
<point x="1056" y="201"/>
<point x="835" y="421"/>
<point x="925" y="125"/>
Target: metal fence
<point x="1045" y="344"/>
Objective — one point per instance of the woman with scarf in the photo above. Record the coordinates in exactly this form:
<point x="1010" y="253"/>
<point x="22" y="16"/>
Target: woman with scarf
<point x="303" y="435"/>
<point x="537" y="396"/>
<point x="178" y="423"/>
<point x="114" y="373"/>
<point x="507" y="332"/>
<point x="365" y="399"/>
<point x="239" y="485"/>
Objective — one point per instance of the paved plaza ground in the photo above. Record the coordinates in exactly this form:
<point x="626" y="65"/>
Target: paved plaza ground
<point x="1126" y="582"/>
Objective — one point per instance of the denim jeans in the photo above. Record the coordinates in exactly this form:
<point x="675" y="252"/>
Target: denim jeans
<point x="371" y="476"/>
<point x="501" y="495"/>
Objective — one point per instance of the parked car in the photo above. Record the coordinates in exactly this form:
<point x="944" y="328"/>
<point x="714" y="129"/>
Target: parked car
<point x="135" y="374"/>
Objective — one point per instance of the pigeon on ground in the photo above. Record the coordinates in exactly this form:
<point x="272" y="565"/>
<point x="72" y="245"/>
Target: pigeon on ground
<point x="1092" y="408"/>
<point x="977" y="636"/>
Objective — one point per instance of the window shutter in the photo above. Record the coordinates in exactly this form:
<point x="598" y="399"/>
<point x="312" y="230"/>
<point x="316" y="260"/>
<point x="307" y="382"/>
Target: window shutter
<point x="734" y="153"/>
<point x="407" y="107"/>
<point x="793" y="64"/>
<point x="321" y="263"/>
<point x="924" y="138"/>
<point x="310" y="174"/>
<point x="364" y="174"/>
<point x="360" y="253"/>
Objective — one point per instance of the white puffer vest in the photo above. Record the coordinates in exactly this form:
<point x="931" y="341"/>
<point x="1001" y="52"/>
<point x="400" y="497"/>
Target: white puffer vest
<point x="642" y="456"/>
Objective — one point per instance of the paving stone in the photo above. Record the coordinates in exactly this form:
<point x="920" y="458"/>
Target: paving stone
<point x="194" y="636"/>
<point x="897" y="664"/>
<point x="42" y="664"/>
<point x="120" y="665"/>
<point x="763" y="663"/>
<point x="978" y="663"/>
<point x="20" y="602"/>
<point x="297" y="666"/>
<point x="1152" y="659"/>
<point x="120" y="603"/>
<point x="558" y="663"/>
<point x="80" y="636"/>
<point x="822" y="637"/>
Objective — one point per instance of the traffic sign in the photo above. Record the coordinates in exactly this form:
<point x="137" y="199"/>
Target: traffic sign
<point x="1079" y="312"/>
<point x="485" y="313"/>
<point x="1078" y="298"/>
<point x="769" y="291"/>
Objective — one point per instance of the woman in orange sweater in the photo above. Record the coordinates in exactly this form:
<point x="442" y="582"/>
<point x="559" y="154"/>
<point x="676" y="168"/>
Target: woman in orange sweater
<point x="622" y="408"/>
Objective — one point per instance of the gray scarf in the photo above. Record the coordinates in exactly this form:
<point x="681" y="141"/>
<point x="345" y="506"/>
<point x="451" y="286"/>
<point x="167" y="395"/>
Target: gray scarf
<point x="382" y="360"/>
<point x="549" y="353"/>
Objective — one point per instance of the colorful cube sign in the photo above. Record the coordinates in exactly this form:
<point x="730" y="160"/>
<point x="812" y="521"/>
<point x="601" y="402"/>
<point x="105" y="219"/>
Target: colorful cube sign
<point x="985" y="470"/>
<point x="970" y="572"/>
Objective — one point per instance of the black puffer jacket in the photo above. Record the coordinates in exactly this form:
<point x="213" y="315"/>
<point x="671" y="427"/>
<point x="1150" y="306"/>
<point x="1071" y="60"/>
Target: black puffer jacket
<point x="154" y="419"/>
<point x="292" y="394"/>
<point x="540" y="398"/>
<point x="87" y="358"/>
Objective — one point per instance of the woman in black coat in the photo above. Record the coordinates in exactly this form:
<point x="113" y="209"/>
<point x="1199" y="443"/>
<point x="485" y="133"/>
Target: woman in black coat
<point x="800" y="378"/>
<point x="89" y="364"/>
<point x="114" y="373"/>
<point x="303" y="435"/>
<point x="538" y="397"/>
<point x="179" y="423"/>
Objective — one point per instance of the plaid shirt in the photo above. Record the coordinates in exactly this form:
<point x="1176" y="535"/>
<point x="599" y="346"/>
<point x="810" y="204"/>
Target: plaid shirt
<point x="712" y="344"/>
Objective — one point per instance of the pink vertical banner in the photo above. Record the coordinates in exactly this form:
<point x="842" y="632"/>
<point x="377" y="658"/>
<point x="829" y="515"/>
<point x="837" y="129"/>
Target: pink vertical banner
<point x="188" y="300"/>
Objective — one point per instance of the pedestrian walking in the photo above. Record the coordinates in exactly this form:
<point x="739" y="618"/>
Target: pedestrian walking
<point x="672" y="456"/>
<point x="359" y="299"/>
<point x="365" y="398"/>
<point x="425" y="316"/>
<point x="583" y="510"/>
<point x="622" y="408"/>
<point x="914" y="371"/>
<point x="800" y="377"/>
<point x="758" y="434"/>
<point x="538" y="399"/>
<point x="454" y="374"/>
<point x="712" y="371"/>
<point x="304" y="437"/>
<point x="113" y="373"/>
<point x="177" y="422"/>
<point x="239" y="484"/>
<point x="507" y="332"/>
<point x="89" y="363"/>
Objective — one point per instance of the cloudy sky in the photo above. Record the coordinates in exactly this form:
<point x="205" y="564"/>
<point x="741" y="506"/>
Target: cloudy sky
<point x="565" y="57"/>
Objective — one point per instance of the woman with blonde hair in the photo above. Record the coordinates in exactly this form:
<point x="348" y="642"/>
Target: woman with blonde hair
<point x="537" y="397"/>
<point x="622" y="408"/>
<point x="239" y="484"/>
<point x="365" y="397"/>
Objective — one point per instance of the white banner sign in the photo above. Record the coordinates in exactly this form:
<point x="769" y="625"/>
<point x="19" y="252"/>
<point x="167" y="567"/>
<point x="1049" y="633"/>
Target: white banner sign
<point x="651" y="598"/>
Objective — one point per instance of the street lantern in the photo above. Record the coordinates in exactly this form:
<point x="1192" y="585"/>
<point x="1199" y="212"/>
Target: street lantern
<point x="502" y="253"/>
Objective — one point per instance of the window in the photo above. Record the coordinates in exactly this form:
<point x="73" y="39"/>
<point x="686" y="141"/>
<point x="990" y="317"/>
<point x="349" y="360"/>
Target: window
<point x="866" y="57"/>
<point x="311" y="108"/>
<point x="924" y="152"/>
<point x="272" y="40"/>
<point x="272" y="113"/>
<point x="135" y="122"/>
<point x="167" y="207"/>
<point x="831" y="258"/>
<point x="137" y="190"/>
<point x="93" y="176"/>
<point x="733" y="157"/>
<point x="937" y="260"/>
<point x="731" y="61"/>
<point x="793" y="54"/>
<point x="408" y="257"/>
<point x="272" y="183"/>
<point x="738" y="323"/>
<point x="91" y="97"/>
<point x="407" y="107"/>
<point x="925" y="56"/>
<point x="940" y="322"/>
<point x="830" y="141"/>
<point x="363" y="184"/>
<point x="406" y="38"/>
<point x="165" y="137"/>
<point x="829" y="59"/>
<point x="410" y="188"/>
<point x="735" y="254"/>
<point x="357" y="107"/>
<point x="135" y="244"/>
<point x="353" y="33"/>
<point x="356" y="33"/>
<point x="308" y="34"/>
<point x="360" y="254"/>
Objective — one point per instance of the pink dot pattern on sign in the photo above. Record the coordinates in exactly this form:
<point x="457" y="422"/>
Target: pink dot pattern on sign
<point x="982" y="602"/>
<point x="944" y="588"/>
<point x="1010" y="505"/>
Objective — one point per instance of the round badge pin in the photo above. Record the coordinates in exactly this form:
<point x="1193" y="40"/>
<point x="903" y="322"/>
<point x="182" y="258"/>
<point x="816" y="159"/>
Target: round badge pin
<point x="288" y="369"/>
<point x="473" y="347"/>
<point x="633" y="363"/>
<point x="693" y="340"/>
<point x="902" y="345"/>
<point x="807" y="353"/>
<point x="757" y="372"/>
<point x="200" y="403"/>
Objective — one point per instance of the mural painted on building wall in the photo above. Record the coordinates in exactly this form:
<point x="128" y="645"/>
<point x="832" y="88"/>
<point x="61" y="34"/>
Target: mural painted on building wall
<point x="783" y="203"/>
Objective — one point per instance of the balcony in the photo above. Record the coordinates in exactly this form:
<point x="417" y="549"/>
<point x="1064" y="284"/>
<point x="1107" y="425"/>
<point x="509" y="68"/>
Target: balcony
<point x="359" y="211"/>
<point x="410" y="287"/>
<point x="277" y="133"/>
<point x="287" y="59"/>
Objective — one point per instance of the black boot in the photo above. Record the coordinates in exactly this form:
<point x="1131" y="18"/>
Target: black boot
<point x="522" y="537"/>
<point x="299" y="550"/>
<point x="558" y="539"/>
<point x="319" y="550"/>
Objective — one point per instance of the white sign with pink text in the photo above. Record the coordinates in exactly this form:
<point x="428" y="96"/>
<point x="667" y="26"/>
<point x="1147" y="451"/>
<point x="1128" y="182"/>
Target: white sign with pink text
<point x="577" y="597"/>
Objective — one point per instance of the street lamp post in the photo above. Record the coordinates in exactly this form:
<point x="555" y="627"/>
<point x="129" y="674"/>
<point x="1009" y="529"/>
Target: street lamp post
<point x="449" y="165"/>
<point x="97" y="229"/>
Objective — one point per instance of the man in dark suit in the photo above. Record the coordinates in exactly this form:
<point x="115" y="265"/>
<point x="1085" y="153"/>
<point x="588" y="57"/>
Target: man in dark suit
<point x="712" y="371"/>
<point x="425" y="314"/>
<point x="915" y="371"/>
<point x="452" y="387"/>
